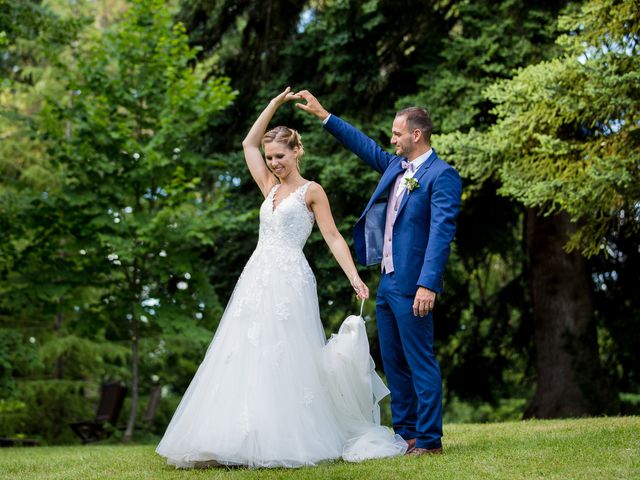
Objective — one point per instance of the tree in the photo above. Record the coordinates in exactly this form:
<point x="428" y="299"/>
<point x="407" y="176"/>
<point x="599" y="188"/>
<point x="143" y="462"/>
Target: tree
<point x="43" y="359"/>
<point x="565" y="146"/>
<point x="131" y="203"/>
<point x="575" y="119"/>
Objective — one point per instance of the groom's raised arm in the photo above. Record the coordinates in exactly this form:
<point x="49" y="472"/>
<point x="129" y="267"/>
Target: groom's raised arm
<point x="360" y="144"/>
<point x="352" y="138"/>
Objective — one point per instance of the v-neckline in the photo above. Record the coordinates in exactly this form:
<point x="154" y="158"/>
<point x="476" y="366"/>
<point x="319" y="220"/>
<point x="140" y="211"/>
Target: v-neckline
<point x="275" y="188"/>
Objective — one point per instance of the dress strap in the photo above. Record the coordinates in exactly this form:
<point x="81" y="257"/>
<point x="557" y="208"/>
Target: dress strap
<point x="302" y="192"/>
<point x="303" y="189"/>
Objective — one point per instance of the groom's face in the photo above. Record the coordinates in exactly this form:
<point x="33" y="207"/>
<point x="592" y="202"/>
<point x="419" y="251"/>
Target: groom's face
<point x="402" y="138"/>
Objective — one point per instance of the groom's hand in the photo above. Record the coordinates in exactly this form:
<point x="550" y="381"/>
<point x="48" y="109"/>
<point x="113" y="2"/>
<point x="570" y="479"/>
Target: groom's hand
<point x="312" y="106"/>
<point x="424" y="302"/>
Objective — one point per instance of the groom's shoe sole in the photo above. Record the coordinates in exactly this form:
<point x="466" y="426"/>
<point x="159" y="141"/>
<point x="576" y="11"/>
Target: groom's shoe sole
<point x="418" y="452"/>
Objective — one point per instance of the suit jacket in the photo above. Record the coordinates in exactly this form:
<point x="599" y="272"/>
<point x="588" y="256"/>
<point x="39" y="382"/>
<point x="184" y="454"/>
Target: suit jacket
<point x="425" y="222"/>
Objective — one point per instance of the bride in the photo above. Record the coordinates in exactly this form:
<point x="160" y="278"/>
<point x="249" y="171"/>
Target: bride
<point x="270" y="392"/>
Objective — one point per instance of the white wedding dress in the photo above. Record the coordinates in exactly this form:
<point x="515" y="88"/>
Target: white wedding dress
<point x="271" y="392"/>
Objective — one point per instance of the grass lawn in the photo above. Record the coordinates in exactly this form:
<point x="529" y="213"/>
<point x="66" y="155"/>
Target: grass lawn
<point x="595" y="448"/>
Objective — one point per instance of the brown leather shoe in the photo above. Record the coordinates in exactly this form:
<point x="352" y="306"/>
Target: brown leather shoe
<point x="411" y="445"/>
<point x="417" y="451"/>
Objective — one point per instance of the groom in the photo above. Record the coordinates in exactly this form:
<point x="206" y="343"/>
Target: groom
<point x="407" y="226"/>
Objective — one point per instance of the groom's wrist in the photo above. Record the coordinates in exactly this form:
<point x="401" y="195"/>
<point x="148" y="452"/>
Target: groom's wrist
<point x="430" y="283"/>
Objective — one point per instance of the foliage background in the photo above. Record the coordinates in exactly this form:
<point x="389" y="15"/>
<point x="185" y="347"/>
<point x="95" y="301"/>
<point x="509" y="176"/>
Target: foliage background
<point x="114" y="266"/>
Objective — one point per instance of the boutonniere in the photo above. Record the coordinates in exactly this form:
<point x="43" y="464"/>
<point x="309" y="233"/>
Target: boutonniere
<point x="410" y="184"/>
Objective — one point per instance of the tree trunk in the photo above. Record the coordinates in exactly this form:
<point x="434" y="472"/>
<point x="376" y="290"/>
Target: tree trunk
<point x="570" y="378"/>
<point x="128" y="434"/>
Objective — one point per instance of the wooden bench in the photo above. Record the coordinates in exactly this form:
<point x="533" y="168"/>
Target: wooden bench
<point x="112" y="396"/>
<point x="18" y="442"/>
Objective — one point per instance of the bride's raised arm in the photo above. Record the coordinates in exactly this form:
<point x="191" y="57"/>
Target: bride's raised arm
<point x="251" y="143"/>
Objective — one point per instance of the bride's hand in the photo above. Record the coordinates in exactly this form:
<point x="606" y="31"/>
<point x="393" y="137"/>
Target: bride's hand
<point x="359" y="286"/>
<point x="284" y="97"/>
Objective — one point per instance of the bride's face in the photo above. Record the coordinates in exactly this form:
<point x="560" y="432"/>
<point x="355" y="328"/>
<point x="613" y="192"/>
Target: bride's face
<point x="280" y="159"/>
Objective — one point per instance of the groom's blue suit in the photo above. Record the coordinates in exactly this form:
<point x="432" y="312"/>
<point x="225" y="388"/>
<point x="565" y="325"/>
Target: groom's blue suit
<point x="422" y="232"/>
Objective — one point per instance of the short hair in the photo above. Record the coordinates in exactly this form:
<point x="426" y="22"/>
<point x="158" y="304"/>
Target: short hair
<point x="418" y="118"/>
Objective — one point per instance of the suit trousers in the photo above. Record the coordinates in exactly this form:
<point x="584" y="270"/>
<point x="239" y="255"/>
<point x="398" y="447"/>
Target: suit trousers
<point x="413" y="373"/>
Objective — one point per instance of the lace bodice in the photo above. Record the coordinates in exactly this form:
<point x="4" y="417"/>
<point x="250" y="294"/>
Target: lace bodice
<point x="283" y="233"/>
<point x="287" y="226"/>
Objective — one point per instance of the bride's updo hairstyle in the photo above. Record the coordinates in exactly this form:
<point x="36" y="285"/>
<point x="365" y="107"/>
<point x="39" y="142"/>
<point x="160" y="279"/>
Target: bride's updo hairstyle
<point x="287" y="136"/>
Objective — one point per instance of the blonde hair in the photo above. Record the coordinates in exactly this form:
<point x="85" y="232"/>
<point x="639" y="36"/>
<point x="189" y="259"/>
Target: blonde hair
<point x="287" y="136"/>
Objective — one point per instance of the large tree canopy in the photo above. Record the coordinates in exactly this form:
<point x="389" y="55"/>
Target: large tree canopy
<point x="570" y="127"/>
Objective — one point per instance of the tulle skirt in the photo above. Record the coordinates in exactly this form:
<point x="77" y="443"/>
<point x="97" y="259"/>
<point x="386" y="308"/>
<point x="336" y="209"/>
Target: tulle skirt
<point x="271" y="392"/>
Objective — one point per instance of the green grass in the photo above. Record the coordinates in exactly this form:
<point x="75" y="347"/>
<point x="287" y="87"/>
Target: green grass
<point x="596" y="448"/>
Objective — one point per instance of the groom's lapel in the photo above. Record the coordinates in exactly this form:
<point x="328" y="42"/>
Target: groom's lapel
<point x="418" y="176"/>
